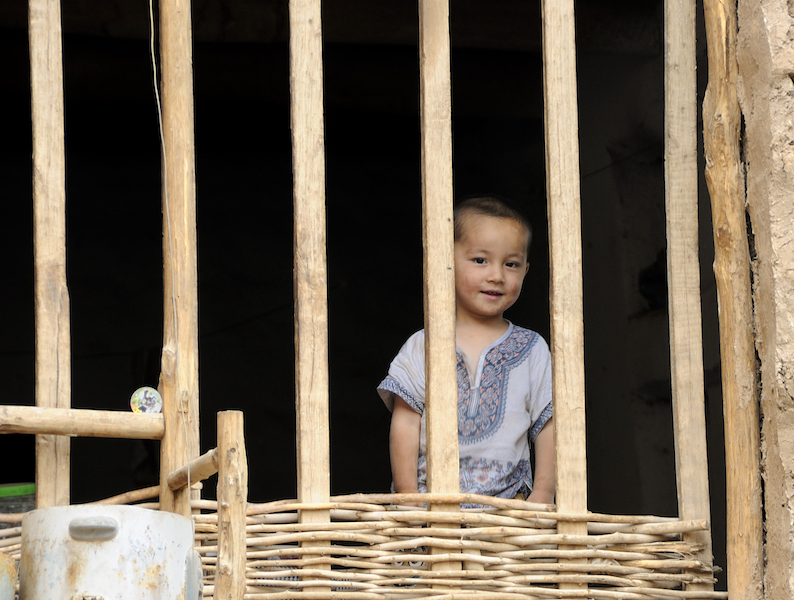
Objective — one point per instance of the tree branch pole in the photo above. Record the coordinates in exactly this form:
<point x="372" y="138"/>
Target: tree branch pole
<point x="725" y="180"/>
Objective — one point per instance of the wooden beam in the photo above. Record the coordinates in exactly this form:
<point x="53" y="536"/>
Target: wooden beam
<point x="53" y="359"/>
<point x="724" y="175"/>
<point x="232" y="502"/>
<point x="439" y="253"/>
<point x="683" y="270"/>
<point x="439" y="256"/>
<point x="311" y="286"/>
<point x="565" y="246"/>
<point x="80" y="422"/>
<point x="179" y="371"/>
<point x="196" y="470"/>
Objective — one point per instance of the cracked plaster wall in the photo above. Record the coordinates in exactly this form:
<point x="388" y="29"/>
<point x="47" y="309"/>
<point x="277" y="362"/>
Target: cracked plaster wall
<point x="766" y="66"/>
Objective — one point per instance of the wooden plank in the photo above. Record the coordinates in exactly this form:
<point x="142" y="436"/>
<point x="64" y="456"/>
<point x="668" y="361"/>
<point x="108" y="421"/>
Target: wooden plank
<point x="565" y="246"/>
<point x="311" y="287"/>
<point x="683" y="269"/>
<point x="232" y="502"/>
<point x="439" y="255"/>
<point x="179" y="371"/>
<point x="53" y="360"/>
<point x="196" y="470"/>
<point x="80" y="422"/>
<point x="724" y="176"/>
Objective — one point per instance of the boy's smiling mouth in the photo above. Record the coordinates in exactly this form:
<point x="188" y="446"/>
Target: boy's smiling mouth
<point x="493" y="293"/>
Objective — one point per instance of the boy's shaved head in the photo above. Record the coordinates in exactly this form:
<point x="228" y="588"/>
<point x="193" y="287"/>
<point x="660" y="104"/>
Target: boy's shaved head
<point x="488" y="205"/>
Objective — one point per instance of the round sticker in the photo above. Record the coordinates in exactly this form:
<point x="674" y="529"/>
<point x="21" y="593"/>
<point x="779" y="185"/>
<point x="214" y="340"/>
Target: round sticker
<point x="146" y="400"/>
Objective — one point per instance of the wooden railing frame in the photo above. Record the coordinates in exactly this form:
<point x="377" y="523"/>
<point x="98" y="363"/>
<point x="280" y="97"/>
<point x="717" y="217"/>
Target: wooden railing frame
<point x="179" y="383"/>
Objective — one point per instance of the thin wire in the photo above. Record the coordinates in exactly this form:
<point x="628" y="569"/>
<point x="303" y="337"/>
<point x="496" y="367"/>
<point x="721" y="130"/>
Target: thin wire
<point x="155" y="82"/>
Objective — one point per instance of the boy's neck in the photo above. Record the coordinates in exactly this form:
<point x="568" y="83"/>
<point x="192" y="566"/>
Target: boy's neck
<point x="472" y="336"/>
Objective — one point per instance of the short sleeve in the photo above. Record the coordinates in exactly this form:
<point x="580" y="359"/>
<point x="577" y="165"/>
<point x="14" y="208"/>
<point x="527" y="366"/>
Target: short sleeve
<point x="539" y="401"/>
<point x="406" y="377"/>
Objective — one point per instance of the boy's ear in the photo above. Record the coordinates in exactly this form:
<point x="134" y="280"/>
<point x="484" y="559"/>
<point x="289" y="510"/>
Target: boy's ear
<point x="527" y="268"/>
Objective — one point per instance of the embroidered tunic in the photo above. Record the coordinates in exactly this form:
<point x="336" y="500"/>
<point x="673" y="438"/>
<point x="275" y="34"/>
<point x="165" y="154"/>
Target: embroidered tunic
<point x="502" y="406"/>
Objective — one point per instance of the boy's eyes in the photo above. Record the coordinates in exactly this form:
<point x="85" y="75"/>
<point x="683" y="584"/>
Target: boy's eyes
<point x="510" y="264"/>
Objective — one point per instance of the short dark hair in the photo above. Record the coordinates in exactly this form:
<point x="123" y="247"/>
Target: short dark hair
<point x="488" y="205"/>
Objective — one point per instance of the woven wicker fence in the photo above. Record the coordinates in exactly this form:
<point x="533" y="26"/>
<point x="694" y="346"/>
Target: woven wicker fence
<point x="506" y="549"/>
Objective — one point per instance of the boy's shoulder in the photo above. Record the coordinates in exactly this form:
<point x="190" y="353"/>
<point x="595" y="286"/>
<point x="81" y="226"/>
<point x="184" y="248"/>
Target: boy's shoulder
<point x="414" y="343"/>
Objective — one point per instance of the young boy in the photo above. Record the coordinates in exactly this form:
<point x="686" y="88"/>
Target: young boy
<point x="504" y="371"/>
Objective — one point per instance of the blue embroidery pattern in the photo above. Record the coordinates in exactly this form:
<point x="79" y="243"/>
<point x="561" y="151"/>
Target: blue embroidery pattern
<point x="390" y="384"/>
<point x="542" y="420"/>
<point x="482" y="476"/>
<point x="480" y="415"/>
<point x="503" y="479"/>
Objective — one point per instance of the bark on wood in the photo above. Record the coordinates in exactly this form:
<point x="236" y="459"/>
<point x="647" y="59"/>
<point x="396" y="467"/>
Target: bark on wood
<point x="724" y="176"/>
<point x="179" y="374"/>
<point x="683" y="270"/>
<point x="232" y="498"/>
<point x="53" y="361"/>
<point x="311" y="287"/>
<point x="80" y="422"/>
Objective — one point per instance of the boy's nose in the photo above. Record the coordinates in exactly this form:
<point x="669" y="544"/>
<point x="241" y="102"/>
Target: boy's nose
<point x="496" y="274"/>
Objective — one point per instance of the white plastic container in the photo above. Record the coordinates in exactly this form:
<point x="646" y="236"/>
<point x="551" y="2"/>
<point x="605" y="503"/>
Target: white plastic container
<point x="108" y="553"/>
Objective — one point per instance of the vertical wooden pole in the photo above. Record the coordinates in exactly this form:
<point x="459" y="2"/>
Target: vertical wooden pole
<point x="232" y="501"/>
<point x="683" y="269"/>
<point x="565" y="241"/>
<point x="179" y="374"/>
<point x="53" y="360"/>
<point x="724" y="176"/>
<point x="311" y="287"/>
<point x="439" y="257"/>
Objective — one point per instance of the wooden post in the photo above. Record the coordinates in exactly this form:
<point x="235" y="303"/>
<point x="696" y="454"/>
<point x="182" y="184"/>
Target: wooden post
<point x="565" y="241"/>
<point x="179" y="374"/>
<point x="683" y="270"/>
<point x="311" y="287"/>
<point x="232" y="502"/>
<point x="439" y="272"/>
<point x="724" y="176"/>
<point x="53" y="361"/>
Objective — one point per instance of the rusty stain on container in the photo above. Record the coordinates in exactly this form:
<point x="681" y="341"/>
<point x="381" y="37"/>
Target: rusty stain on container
<point x="108" y="553"/>
<point x="8" y="577"/>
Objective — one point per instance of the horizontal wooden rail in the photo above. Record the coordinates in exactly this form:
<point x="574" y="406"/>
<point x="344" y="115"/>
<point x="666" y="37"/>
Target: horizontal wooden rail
<point x="198" y="469"/>
<point x="80" y="422"/>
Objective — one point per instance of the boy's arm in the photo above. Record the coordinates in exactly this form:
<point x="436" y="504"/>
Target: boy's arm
<point x="404" y="446"/>
<point x="544" y="485"/>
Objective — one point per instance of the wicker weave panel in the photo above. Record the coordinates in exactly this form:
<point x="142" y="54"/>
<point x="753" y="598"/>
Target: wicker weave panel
<point x="504" y="549"/>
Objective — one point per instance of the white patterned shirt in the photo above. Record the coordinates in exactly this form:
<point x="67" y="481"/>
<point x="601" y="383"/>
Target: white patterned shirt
<point x="502" y="406"/>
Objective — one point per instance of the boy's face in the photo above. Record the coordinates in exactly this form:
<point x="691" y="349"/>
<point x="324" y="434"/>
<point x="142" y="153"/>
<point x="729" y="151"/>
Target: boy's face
<point x="490" y="265"/>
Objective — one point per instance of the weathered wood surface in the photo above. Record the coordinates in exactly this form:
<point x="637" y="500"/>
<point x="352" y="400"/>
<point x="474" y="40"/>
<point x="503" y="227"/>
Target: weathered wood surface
<point x="565" y="246"/>
<point x="311" y="285"/>
<point x="53" y="357"/>
<point x="439" y="257"/>
<point x="179" y="374"/>
<point x="683" y="269"/>
<point x="232" y="498"/>
<point x="724" y="175"/>
<point x="80" y="422"/>
<point x="132" y="496"/>
<point x="197" y="470"/>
